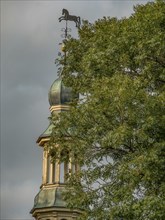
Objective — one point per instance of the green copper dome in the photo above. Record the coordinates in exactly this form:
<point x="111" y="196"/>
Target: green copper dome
<point x="59" y="94"/>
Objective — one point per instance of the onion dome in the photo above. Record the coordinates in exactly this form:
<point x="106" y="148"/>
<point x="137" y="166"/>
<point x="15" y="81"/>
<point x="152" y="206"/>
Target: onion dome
<point x="59" y="94"/>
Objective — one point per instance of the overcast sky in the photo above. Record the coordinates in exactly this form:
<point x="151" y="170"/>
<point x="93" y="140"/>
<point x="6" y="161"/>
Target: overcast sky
<point x="30" y="37"/>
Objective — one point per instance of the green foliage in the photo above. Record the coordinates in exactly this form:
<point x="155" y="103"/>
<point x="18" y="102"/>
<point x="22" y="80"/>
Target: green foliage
<point x="116" y="129"/>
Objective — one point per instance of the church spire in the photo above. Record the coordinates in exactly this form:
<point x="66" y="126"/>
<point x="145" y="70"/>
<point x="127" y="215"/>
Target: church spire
<point x="49" y="203"/>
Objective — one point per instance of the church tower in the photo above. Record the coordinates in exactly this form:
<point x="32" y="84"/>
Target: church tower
<point x="49" y="203"/>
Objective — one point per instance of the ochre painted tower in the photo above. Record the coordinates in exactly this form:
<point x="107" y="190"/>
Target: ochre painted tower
<point x="49" y="203"/>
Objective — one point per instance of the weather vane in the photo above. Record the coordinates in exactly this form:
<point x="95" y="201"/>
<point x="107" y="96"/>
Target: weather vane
<point x="67" y="17"/>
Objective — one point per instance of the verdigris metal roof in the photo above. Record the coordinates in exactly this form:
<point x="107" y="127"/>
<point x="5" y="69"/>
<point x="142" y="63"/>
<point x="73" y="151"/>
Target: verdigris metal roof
<point x="49" y="197"/>
<point x="46" y="133"/>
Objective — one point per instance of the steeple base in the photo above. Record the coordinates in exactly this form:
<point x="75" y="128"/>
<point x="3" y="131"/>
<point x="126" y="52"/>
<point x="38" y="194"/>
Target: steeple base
<point x="55" y="214"/>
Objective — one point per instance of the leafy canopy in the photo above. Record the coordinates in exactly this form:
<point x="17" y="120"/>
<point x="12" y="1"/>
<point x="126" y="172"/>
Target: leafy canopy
<point x="116" y="129"/>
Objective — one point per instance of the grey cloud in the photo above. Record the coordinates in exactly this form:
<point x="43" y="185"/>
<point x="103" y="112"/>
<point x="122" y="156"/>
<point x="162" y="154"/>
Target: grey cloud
<point x="19" y="197"/>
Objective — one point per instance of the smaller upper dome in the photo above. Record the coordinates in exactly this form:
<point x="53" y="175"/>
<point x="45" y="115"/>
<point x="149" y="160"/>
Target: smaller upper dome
<point x="59" y="94"/>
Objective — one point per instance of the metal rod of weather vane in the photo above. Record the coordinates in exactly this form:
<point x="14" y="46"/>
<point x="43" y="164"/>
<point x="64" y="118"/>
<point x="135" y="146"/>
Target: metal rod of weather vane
<point x="66" y="29"/>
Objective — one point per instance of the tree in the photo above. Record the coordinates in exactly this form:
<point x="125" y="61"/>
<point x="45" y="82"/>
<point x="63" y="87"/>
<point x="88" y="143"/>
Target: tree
<point x="116" y="129"/>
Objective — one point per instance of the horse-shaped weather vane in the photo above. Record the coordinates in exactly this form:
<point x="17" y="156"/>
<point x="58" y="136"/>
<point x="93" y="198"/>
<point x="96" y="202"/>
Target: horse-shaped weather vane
<point x="66" y="16"/>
